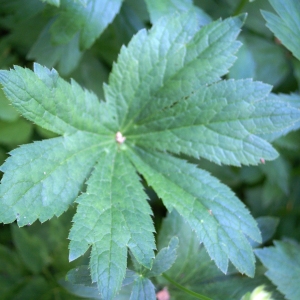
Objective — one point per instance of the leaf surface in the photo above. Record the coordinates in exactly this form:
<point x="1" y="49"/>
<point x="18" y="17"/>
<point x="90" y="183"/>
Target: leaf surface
<point x="112" y="215"/>
<point x="64" y="57"/>
<point x="219" y="123"/>
<point x="158" y="9"/>
<point x="164" y="259"/>
<point x="220" y="220"/>
<point x="89" y="19"/>
<point x="286" y="26"/>
<point x="292" y="100"/>
<point x="194" y="270"/>
<point x="283" y="264"/>
<point x="167" y="64"/>
<point x="49" y="101"/>
<point x="42" y="179"/>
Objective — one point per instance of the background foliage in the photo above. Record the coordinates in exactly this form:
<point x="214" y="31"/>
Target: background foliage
<point x="80" y="45"/>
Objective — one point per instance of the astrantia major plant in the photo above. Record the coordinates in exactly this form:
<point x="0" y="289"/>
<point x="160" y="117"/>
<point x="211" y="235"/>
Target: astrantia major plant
<point x="165" y="97"/>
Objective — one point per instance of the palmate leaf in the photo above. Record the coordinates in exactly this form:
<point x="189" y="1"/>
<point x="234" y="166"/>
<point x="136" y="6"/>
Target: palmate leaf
<point x="166" y="86"/>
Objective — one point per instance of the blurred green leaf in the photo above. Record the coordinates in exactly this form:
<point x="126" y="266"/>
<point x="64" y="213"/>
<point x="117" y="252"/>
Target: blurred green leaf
<point x="285" y="25"/>
<point x="65" y="57"/>
<point x="7" y="112"/>
<point x="267" y="226"/>
<point x="33" y="252"/>
<point x="15" y="133"/>
<point x="158" y="9"/>
<point x="52" y="2"/>
<point x="261" y="60"/>
<point x="283" y="264"/>
<point x="89" y="20"/>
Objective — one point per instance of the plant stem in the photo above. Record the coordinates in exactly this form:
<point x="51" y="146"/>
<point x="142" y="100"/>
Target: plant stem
<point x="240" y="7"/>
<point x="196" y="295"/>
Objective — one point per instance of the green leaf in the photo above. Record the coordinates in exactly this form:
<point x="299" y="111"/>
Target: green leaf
<point x="164" y="259"/>
<point x="26" y="246"/>
<point x="220" y="220"/>
<point x="286" y="26"/>
<point x="7" y="112"/>
<point x="111" y="215"/>
<point x="292" y="100"/>
<point x="219" y="123"/>
<point x="47" y="100"/>
<point x="52" y="2"/>
<point x="267" y="226"/>
<point x="194" y="270"/>
<point x="158" y="9"/>
<point x="143" y="289"/>
<point x="65" y="57"/>
<point x="166" y="82"/>
<point x="15" y="133"/>
<point x="164" y="66"/>
<point x="42" y="179"/>
<point x="261" y="60"/>
<point x="283" y="264"/>
<point x="89" y="20"/>
<point x="280" y="179"/>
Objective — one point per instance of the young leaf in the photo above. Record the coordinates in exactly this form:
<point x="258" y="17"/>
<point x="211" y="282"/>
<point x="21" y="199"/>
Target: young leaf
<point x="283" y="264"/>
<point x="89" y="19"/>
<point x="286" y="26"/>
<point x="220" y="220"/>
<point x="164" y="259"/>
<point x="119" y="218"/>
<point x="142" y="286"/>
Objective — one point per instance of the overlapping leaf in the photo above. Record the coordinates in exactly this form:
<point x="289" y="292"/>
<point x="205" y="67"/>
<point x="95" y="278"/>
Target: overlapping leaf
<point x="195" y="272"/>
<point x="164" y="87"/>
<point x="158" y="9"/>
<point x="283" y="264"/>
<point x="286" y="26"/>
<point x="112" y="214"/>
<point x="220" y="220"/>
<point x="89" y="19"/>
